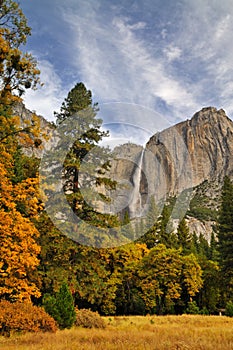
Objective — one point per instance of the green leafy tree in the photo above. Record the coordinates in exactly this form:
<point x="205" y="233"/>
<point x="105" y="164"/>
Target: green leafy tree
<point x="229" y="309"/>
<point x="122" y="262"/>
<point x="159" y="279"/>
<point x="58" y="257"/>
<point x="192" y="275"/>
<point x="192" y="308"/>
<point x="86" y="269"/>
<point x="114" y="263"/>
<point x="97" y="284"/>
<point x="165" y="276"/>
<point x="209" y="294"/>
<point x="128" y="297"/>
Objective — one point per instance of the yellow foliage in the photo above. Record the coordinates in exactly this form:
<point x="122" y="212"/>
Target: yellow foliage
<point x="24" y="317"/>
<point x="19" y="199"/>
<point x="18" y="252"/>
<point x="18" y="247"/>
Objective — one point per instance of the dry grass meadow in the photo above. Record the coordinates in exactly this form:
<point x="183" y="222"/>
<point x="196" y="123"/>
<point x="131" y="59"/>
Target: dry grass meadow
<point x="135" y="333"/>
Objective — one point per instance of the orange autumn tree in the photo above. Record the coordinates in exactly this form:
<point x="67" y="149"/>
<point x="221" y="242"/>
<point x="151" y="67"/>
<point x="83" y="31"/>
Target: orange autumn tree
<point x="19" y="206"/>
<point x="18" y="248"/>
<point x="19" y="203"/>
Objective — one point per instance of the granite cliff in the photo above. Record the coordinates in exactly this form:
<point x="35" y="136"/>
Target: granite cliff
<point x="184" y="156"/>
<point x="29" y="118"/>
<point x="191" y="152"/>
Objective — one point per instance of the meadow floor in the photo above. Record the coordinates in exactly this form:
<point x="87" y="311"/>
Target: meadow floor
<point x="135" y="333"/>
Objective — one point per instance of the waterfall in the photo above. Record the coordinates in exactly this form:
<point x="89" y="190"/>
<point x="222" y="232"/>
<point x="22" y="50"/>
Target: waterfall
<point x="135" y="206"/>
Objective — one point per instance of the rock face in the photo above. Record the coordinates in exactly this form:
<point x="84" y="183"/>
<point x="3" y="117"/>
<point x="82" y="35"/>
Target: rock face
<point x="191" y="152"/>
<point x="201" y="227"/>
<point x="28" y="118"/>
<point x="181" y="157"/>
<point x="125" y="169"/>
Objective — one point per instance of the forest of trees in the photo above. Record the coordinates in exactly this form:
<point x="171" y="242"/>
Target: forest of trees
<point x="163" y="272"/>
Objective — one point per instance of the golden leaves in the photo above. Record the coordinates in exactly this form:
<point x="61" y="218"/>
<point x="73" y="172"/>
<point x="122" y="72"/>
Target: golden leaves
<point x="19" y="202"/>
<point x="18" y="252"/>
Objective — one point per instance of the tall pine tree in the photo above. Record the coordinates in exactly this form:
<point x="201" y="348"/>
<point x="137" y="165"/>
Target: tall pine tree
<point x="79" y="104"/>
<point x="183" y="237"/>
<point x="61" y="307"/>
<point x="225" y="237"/>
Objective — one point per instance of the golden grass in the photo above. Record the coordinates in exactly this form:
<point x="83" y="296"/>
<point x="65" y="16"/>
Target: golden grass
<point x="135" y="333"/>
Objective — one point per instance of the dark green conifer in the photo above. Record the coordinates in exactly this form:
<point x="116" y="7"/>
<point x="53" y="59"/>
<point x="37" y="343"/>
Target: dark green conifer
<point x="61" y="307"/>
<point x="184" y="238"/>
<point x="225" y="237"/>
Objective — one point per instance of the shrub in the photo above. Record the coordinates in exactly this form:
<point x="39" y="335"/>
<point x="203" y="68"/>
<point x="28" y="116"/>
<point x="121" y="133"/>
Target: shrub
<point x="192" y="308"/>
<point x="229" y="309"/>
<point x="24" y="317"/>
<point x="89" y="319"/>
<point x="204" y="311"/>
<point x="61" y="307"/>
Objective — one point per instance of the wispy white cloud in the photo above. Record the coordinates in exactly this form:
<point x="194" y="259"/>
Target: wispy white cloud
<point x="131" y="122"/>
<point x="118" y="64"/>
<point x="48" y="98"/>
<point x="206" y="42"/>
<point x="171" y="61"/>
<point x="137" y="26"/>
<point x="172" y="52"/>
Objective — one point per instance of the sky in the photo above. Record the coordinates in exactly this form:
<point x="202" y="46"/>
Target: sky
<point x="148" y="63"/>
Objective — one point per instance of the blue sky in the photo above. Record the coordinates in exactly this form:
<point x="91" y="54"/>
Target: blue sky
<point x="148" y="63"/>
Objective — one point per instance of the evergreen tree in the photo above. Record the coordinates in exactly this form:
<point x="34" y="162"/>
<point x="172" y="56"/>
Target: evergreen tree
<point x="83" y="165"/>
<point x="194" y="244"/>
<point x="183" y="237"/>
<point x="61" y="307"/>
<point x="126" y="219"/>
<point x="150" y="238"/>
<point x="79" y="99"/>
<point x="213" y="253"/>
<point x="225" y="237"/>
<point x="79" y="103"/>
<point x="152" y="213"/>
<point x="151" y="225"/>
<point x="203" y="246"/>
<point x="208" y="297"/>
<point x="65" y="307"/>
<point x="166" y="235"/>
<point x="127" y="229"/>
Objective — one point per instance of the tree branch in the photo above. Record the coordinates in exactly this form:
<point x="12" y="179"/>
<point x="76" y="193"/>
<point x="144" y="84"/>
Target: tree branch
<point x="27" y="129"/>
